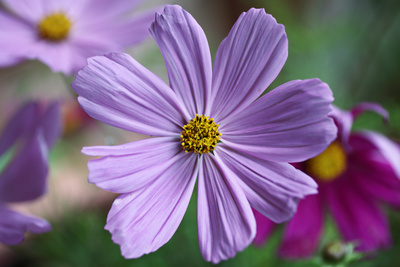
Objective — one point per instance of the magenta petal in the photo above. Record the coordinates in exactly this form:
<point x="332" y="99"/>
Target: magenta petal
<point x="184" y="47"/>
<point x="247" y="61"/>
<point x="372" y="171"/>
<point x="126" y="168"/>
<point x="145" y="219"/>
<point x="389" y="150"/>
<point x="264" y="228"/>
<point x="117" y="90"/>
<point x="273" y="189"/>
<point x="225" y="221"/>
<point x="358" y="217"/>
<point x="377" y="180"/>
<point x="25" y="177"/>
<point x="13" y="225"/>
<point x="303" y="232"/>
<point x="288" y="124"/>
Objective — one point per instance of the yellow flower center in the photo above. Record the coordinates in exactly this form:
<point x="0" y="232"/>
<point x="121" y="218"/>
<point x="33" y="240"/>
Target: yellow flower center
<point x="328" y="165"/>
<point x="54" y="27"/>
<point x="200" y="135"/>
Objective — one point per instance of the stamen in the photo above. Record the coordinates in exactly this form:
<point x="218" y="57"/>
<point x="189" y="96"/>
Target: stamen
<point x="328" y="165"/>
<point x="200" y="135"/>
<point x="54" y="27"/>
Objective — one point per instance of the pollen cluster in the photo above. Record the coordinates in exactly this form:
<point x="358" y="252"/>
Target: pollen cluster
<point x="54" y="27"/>
<point x="200" y="135"/>
<point x="328" y="165"/>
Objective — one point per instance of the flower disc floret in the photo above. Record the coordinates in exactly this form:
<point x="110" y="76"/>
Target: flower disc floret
<point x="200" y="135"/>
<point x="328" y="165"/>
<point x="54" y="27"/>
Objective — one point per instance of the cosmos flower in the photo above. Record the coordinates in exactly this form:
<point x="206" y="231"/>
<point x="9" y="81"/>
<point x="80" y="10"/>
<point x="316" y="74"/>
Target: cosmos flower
<point x="356" y="174"/>
<point x="64" y="33"/>
<point x="208" y="125"/>
<point x="24" y="146"/>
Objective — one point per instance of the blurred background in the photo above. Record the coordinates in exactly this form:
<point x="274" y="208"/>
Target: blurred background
<point x="351" y="45"/>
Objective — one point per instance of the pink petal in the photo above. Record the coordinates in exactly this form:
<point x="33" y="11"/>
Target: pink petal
<point x="84" y="46"/>
<point x="32" y="11"/>
<point x="91" y="38"/>
<point x="389" y="150"/>
<point x="117" y="90"/>
<point x="225" y="221"/>
<point x="247" y="61"/>
<point x="358" y="217"/>
<point x="13" y="225"/>
<point x="372" y="172"/>
<point x="19" y="40"/>
<point x="94" y="10"/>
<point x="28" y="10"/>
<point x="126" y="168"/>
<point x="98" y="27"/>
<point x="377" y="180"/>
<point x="71" y="55"/>
<point x="145" y="219"/>
<point x="264" y="228"/>
<point x="288" y="124"/>
<point x="303" y="232"/>
<point x="124" y="32"/>
<point x="16" y="40"/>
<point x="184" y="47"/>
<point x="273" y="189"/>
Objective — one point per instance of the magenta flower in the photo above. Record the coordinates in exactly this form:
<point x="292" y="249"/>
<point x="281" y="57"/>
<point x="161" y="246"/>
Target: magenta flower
<point x="64" y="33"/>
<point x="24" y="143"/>
<point x="356" y="174"/>
<point x="210" y="126"/>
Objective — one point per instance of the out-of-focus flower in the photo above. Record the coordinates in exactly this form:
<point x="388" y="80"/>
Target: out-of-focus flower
<point x="24" y="147"/>
<point x="74" y="117"/>
<point x="357" y="173"/>
<point x="64" y="33"/>
<point x="209" y="126"/>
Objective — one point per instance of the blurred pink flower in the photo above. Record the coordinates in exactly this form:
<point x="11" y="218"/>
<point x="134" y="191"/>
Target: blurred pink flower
<point x="64" y="33"/>
<point x="356" y="174"/>
<point x="74" y="117"/>
<point x="24" y="146"/>
<point x="245" y="166"/>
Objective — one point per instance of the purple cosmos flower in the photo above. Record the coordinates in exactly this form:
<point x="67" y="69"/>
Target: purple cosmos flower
<point x="356" y="174"/>
<point x="210" y="127"/>
<point x="64" y="33"/>
<point x="25" y="141"/>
